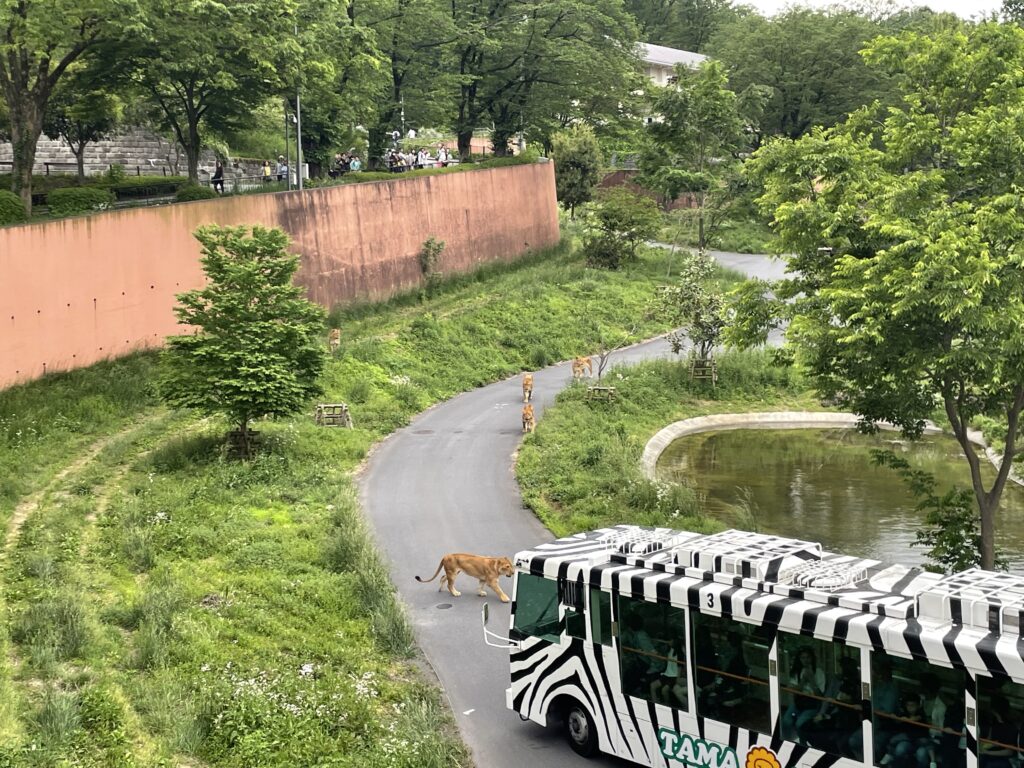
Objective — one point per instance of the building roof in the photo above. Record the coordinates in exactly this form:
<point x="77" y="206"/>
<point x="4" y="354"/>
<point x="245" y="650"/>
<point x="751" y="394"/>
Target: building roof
<point x="669" y="57"/>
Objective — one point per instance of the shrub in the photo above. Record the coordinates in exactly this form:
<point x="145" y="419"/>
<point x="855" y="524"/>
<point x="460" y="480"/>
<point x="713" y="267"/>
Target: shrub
<point x="194" y="192"/>
<point x="12" y="210"/>
<point x="68" y="202"/>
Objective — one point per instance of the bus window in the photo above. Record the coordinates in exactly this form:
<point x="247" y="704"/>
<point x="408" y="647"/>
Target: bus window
<point x="652" y="651"/>
<point x="1000" y="717"/>
<point x="819" y="683"/>
<point x="572" y="599"/>
<point x="731" y="672"/>
<point x="917" y="712"/>
<point x="601" y="616"/>
<point x="537" y="607"/>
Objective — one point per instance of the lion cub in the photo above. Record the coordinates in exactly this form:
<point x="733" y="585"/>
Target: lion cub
<point x="485" y="569"/>
<point x="334" y="339"/>
<point x="581" y="364"/>
<point x="529" y="420"/>
<point x="527" y="387"/>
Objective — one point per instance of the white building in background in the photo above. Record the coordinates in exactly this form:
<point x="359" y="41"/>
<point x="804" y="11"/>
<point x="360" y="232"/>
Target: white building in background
<point x="660" y="62"/>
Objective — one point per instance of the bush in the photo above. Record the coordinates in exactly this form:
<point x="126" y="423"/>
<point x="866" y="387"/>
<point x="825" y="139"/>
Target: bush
<point x="68" y="202"/>
<point x="194" y="192"/>
<point x="12" y="210"/>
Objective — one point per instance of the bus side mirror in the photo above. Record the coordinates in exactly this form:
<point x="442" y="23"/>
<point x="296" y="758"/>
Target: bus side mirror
<point x="490" y="638"/>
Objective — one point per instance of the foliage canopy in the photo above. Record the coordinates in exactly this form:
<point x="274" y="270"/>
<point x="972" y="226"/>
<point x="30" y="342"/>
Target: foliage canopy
<point x="257" y="349"/>
<point x="906" y="294"/>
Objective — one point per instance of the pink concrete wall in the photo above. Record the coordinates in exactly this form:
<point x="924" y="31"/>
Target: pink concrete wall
<point x="76" y="291"/>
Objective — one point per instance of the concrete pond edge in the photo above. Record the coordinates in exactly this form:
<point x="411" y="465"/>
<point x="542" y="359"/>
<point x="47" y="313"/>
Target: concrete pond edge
<point x="721" y="422"/>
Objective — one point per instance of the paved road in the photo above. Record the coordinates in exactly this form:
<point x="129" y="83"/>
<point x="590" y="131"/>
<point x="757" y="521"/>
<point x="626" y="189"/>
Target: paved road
<point x="445" y="484"/>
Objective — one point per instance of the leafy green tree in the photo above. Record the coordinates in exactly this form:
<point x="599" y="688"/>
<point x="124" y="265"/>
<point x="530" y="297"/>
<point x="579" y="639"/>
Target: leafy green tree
<point x="685" y="24"/>
<point x="81" y="112"/>
<point x="210" y="67"/>
<point x="619" y="224"/>
<point x="577" y="157"/>
<point x="693" y="307"/>
<point x="415" y="39"/>
<point x="695" y="139"/>
<point x="519" y="62"/>
<point x="809" y="60"/>
<point x="257" y="349"/>
<point x="339" y="70"/>
<point x="39" y="40"/>
<point x="906" y="293"/>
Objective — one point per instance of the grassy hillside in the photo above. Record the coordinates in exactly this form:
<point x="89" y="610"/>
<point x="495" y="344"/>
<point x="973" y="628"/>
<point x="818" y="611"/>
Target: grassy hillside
<point x="581" y="469"/>
<point x="165" y="605"/>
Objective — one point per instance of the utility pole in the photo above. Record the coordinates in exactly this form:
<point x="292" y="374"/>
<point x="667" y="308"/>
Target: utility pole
<point x="298" y="124"/>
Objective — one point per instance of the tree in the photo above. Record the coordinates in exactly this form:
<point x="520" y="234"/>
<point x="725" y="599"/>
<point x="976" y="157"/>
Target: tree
<point x="685" y="24"/>
<point x="210" y="67"/>
<point x="621" y="222"/>
<point x="809" y="60"/>
<point x="257" y="349"/>
<point x="577" y="157"/>
<point x="80" y="112"/>
<point x="906" y="294"/>
<point x="415" y="38"/>
<point x="693" y="307"/>
<point x="695" y="137"/>
<point x="519" y="63"/>
<point x="39" y="40"/>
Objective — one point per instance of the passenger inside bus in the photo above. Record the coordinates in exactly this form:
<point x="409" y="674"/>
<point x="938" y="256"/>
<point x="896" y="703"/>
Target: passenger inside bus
<point x="1000" y="742"/>
<point x="732" y="664"/>
<point x="807" y="685"/>
<point x="838" y="719"/>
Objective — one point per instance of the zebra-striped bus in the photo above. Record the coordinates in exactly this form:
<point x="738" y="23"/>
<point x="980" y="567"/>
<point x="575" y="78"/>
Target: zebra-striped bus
<point x="743" y="650"/>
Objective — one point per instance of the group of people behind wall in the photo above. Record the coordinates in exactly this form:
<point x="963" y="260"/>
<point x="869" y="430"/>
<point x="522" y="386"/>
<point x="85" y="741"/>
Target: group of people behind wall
<point x="917" y="709"/>
<point x="399" y="160"/>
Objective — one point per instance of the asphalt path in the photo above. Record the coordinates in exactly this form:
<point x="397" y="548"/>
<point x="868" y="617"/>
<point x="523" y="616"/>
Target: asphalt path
<point x="445" y="484"/>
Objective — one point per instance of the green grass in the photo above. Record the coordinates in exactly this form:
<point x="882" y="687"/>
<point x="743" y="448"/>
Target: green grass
<point x="166" y="605"/>
<point x="581" y="469"/>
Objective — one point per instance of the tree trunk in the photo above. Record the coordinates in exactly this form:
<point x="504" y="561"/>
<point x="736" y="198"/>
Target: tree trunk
<point x="988" y="501"/>
<point x="192" y="152"/>
<point x="80" y="158"/>
<point x="499" y="140"/>
<point x="465" y="145"/>
<point x="26" y="128"/>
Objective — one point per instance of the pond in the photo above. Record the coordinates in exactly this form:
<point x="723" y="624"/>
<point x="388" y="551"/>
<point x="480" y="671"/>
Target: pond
<point x="821" y="485"/>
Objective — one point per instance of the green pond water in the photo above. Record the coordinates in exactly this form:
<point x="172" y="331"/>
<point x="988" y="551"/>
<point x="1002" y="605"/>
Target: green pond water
<point x="821" y="485"/>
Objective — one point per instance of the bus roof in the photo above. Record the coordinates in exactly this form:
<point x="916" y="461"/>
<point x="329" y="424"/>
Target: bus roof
<point x="786" y="576"/>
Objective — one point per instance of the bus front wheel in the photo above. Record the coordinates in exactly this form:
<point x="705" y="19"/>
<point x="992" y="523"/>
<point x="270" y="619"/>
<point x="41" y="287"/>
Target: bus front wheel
<point x="579" y="728"/>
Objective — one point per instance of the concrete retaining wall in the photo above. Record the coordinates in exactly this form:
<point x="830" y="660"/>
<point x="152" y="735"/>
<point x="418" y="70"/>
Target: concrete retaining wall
<point x="76" y="291"/>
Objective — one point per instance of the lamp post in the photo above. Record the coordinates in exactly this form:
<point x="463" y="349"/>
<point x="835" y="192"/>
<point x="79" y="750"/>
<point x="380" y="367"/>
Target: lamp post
<point x="287" y="148"/>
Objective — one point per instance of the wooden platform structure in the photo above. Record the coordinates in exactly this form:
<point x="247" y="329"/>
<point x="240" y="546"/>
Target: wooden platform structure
<point x="704" y="368"/>
<point x="333" y="415"/>
<point x="601" y="393"/>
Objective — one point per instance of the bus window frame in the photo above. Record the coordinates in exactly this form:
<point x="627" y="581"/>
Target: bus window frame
<point x="616" y="646"/>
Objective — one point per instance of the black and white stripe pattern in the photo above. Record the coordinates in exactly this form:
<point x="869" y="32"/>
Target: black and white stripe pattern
<point x="879" y="612"/>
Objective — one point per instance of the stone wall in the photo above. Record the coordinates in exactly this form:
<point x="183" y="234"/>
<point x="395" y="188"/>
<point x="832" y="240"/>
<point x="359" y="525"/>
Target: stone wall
<point x="140" y="152"/>
<point x="79" y="290"/>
